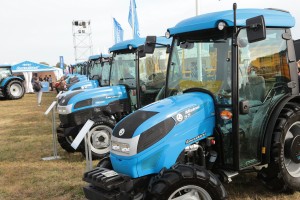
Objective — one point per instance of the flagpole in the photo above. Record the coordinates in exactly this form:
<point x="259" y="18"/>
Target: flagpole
<point x="197" y="7"/>
<point x="199" y="49"/>
<point x="132" y="17"/>
<point x="113" y="30"/>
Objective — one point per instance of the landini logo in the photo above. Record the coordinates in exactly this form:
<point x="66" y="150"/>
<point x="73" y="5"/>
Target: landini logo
<point x="121" y="132"/>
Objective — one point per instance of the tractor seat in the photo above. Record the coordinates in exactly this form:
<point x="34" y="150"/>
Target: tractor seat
<point x="255" y="88"/>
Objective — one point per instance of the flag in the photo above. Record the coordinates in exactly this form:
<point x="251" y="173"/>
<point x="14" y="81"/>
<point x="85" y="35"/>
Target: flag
<point x="118" y="31"/>
<point x="133" y="20"/>
<point x="61" y="60"/>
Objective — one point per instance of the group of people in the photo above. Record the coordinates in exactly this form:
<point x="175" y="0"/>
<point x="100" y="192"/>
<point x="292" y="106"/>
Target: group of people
<point x="60" y="85"/>
<point x="47" y="79"/>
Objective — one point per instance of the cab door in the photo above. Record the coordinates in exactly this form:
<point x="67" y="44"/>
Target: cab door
<point x="263" y="77"/>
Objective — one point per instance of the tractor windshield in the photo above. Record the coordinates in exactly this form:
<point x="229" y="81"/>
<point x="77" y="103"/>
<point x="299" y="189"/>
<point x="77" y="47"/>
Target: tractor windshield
<point x="94" y="69"/>
<point x="105" y="74"/>
<point x="200" y="62"/>
<point x="4" y="72"/>
<point x="123" y="70"/>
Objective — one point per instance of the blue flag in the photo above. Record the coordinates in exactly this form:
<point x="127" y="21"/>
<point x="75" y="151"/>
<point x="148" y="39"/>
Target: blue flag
<point x="133" y="20"/>
<point x="118" y="31"/>
<point x="61" y="60"/>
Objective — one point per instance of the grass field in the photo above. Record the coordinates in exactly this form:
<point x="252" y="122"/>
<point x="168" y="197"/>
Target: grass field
<point x="26" y="137"/>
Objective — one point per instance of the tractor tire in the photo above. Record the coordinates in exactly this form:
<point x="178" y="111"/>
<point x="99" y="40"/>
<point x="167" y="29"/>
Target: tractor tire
<point x="186" y="182"/>
<point x="65" y="143"/>
<point x="99" y="137"/>
<point x="14" y="90"/>
<point x="283" y="173"/>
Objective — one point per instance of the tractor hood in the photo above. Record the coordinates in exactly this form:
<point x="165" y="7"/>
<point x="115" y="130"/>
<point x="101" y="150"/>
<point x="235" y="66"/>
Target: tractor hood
<point x="88" y="84"/>
<point x="79" y="100"/>
<point x="154" y="136"/>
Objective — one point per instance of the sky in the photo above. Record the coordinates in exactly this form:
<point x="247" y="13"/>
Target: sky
<point x="41" y="30"/>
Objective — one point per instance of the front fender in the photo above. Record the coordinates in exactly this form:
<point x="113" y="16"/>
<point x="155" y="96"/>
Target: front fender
<point x="8" y="79"/>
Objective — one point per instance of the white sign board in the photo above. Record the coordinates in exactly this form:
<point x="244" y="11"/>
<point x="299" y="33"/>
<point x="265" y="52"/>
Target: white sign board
<point x="85" y="129"/>
<point x="50" y="107"/>
<point x="59" y="94"/>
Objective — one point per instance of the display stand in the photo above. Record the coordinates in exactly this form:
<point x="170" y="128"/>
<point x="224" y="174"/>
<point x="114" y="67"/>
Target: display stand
<point x="83" y="135"/>
<point x="55" y="156"/>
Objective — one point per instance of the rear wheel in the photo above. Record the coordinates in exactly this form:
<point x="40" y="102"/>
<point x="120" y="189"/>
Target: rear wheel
<point x="186" y="182"/>
<point x="14" y="90"/>
<point x="65" y="143"/>
<point x="283" y="173"/>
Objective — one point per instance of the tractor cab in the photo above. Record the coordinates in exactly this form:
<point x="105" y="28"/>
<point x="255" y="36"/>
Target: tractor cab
<point x="245" y="76"/>
<point x="5" y="71"/>
<point x="150" y="74"/>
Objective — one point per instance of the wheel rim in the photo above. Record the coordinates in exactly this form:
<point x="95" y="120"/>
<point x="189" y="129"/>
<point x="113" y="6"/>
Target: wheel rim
<point x="190" y="192"/>
<point x="16" y="90"/>
<point x="292" y="167"/>
<point x="99" y="139"/>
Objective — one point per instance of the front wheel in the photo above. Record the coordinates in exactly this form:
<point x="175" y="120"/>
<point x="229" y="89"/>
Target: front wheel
<point x="99" y="138"/>
<point x="186" y="182"/>
<point x="283" y="173"/>
<point x="14" y="90"/>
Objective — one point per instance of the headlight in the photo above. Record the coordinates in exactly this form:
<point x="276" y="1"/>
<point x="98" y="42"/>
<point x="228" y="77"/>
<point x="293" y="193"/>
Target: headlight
<point x="121" y="147"/>
<point x="62" y="110"/>
<point x="130" y="47"/>
<point x="167" y="34"/>
<point x="221" y="25"/>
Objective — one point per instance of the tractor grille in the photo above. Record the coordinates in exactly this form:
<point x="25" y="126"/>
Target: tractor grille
<point x="76" y="118"/>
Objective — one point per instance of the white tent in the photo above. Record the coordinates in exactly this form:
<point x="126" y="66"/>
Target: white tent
<point x="27" y="68"/>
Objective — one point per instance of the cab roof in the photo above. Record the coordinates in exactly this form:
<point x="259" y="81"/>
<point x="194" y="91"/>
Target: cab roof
<point x="4" y="66"/>
<point x="135" y="43"/>
<point x="273" y="18"/>
<point x="96" y="57"/>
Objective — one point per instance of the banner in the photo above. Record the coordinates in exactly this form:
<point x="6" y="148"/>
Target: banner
<point x="133" y="20"/>
<point x="118" y="31"/>
<point x="61" y="60"/>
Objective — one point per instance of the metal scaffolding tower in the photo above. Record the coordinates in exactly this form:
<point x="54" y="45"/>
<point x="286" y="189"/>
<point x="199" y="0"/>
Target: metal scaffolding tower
<point x="82" y="39"/>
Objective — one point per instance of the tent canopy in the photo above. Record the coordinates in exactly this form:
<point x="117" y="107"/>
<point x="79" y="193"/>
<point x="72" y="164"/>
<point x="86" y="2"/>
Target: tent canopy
<point x="28" y="66"/>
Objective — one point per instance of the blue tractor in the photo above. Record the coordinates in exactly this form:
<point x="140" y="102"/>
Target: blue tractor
<point x="121" y="96"/>
<point x="93" y="73"/>
<point x="11" y="87"/>
<point x="235" y="108"/>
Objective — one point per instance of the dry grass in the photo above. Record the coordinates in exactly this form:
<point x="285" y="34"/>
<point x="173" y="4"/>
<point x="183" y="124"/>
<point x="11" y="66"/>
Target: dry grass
<point x="26" y="137"/>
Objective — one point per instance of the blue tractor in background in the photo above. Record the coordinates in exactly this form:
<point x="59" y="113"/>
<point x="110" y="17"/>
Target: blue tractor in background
<point x="92" y="70"/>
<point x="234" y="108"/>
<point x="11" y="87"/>
<point x="107" y="105"/>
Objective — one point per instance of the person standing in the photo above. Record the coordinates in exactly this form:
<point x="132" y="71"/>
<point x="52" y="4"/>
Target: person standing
<point x="46" y="78"/>
<point x="37" y="88"/>
<point x="50" y="82"/>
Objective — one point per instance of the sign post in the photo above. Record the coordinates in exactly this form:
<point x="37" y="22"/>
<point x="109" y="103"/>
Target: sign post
<point x="55" y="156"/>
<point x="83" y="134"/>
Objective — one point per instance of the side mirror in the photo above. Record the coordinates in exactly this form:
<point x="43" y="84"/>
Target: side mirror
<point x="150" y="44"/>
<point x="186" y="45"/>
<point x="141" y="51"/>
<point x="256" y="29"/>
